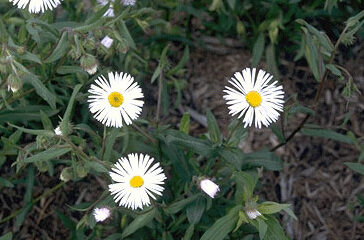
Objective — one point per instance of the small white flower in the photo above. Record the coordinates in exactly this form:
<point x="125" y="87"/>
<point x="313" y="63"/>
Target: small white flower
<point x="129" y="2"/>
<point x="209" y="187"/>
<point x="254" y="97"/>
<point x="36" y="6"/>
<point x="101" y="214"/>
<point x="107" y="42"/>
<point x="58" y="131"/>
<point x="110" y="11"/>
<point x="117" y="100"/>
<point x="136" y="181"/>
<point x="252" y="213"/>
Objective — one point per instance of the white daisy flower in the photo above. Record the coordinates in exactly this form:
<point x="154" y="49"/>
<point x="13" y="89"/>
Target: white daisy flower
<point x="117" y="100"/>
<point x="101" y="214"/>
<point x="129" y="2"/>
<point x="110" y="11"/>
<point x="107" y="41"/>
<point x="36" y="6"/>
<point x="254" y="97"/>
<point x="209" y="187"/>
<point x="136" y="181"/>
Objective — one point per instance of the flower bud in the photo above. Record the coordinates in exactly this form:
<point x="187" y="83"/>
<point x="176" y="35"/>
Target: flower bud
<point x="252" y="212"/>
<point x="101" y="214"/>
<point x="89" y="64"/>
<point x="66" y="174"/>
<point x="14" y="83"/>
<point x="129" y="2"/>
<point x="107" y="42"/>
<point x="209" y="187"/>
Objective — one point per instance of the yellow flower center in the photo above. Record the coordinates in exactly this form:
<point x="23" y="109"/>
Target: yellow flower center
<point x="253" y="98"/>
<point x="115" y="99"/>
<point x="136" y="182"/>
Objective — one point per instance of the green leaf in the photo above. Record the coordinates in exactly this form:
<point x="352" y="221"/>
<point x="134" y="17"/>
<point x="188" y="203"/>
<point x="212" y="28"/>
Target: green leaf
<point x="47" y="123"/>
<point x="65" y="123"/>
<point x="333" y="69"/>
<point x="242" y="219"/>
<point x="47" y="133"/>
<point x="126" y="34"/>
<point x="262" y="228"/>
<point x="301" y="109"/>
<point x="115" y="236"/>
<point x="275" y="129"/>
<point x="189" y="232"/>
<point x="245" y="184"/>
<point x="179" y="205"/>
<point x="156" y="73"/>
<point x="110" y="142"/>
<point x="233" y="156"/>
<point x="99" y="14"/>
<point x="237" y="133"/>
<point x="270" y="56"/>
<point x="315" y="62"/>
<point x="97" y="167"/>
<point x="264" y="158"/>
<point x="222" y="227"/>
<point x="196" y="145"/>
<point x="60" y="50"/>
<point x="328" y="134"/>
<point x="357" y="167"/>
<point x="258" y="50"/>
<point x="29" y="185"/>
<point x="214" y="131"/>
<point x="182" y="62"/>
<point x="6" y="183"/>
<point x="40" y="88"/>
<point x="195" y="210"/>
<point x="48" y="154"/>
<point x="64" y="70"/>
<point x="23" y="114"/>
<point x="271" y="207"/>
<point x="139" y="222"/>
<point x="7" y="236"/>
<point x="185" y="123"/>
<point x="274" y="230"/>
<point x="23" y="213"/>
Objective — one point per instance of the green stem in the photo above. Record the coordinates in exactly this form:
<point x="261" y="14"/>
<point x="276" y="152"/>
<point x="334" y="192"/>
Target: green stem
<point x="103" y="144"/>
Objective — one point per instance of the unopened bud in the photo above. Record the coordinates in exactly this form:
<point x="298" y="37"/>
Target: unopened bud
<point x="14" y="83"/>
<point x="66" y="174"/>
<point x="89" y="64"/>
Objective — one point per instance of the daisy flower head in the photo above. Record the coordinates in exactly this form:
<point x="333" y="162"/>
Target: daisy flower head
<point x="115" y="100"/>
<point x="137" y="180"/>
<point x="36" y="6"/>
<point x="254" y="97"/>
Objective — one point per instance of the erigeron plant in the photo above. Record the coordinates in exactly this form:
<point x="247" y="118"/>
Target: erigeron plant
<point x="160" y="181"/>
